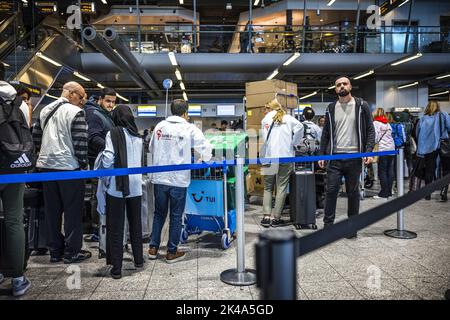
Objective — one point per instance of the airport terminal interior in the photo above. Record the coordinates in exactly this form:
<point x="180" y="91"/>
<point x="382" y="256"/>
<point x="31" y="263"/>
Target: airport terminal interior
<point x="228" y="62"/>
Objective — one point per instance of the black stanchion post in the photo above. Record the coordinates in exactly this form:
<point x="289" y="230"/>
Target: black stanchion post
<point x="400" y="232"/>
<point x="276" y="265"/>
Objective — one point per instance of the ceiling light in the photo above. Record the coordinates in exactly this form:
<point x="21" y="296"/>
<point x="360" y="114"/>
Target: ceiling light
<point x="291" y="59"/>
<point x="25" y="1"/>
<point x="104" y="2"/>
<point x="81" y="76"/>
<point x="403" y="3"/>
<point x="332" y="87"/>
<point x="182" y="86"/>
<point x="364" y="75"/>
<point x="330" y="2"/>
<point x="407" y="59"/>
<point x="409" y="85"/>
<point x="5" y="64"/>
<point x="309" y="95"/>
<point x="229" y="6"/>
<point x="256" y="2"/>
<point x="181" y="1"/>
<point x="439" y="93"/>
<point x="172" y="59"/>
<point x="178" y="75"/>
<point x="438" y="78"/>
<point x="100" y="85"/>
<point x="119" y="96"/>
<point x="185" y="96"/>
<point x="50" y="96"/>
<point x="272" y="75"/>
<point x="42" y="56"/>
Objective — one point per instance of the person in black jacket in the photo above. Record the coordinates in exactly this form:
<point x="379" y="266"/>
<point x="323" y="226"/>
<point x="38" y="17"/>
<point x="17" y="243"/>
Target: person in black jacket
<point x="98" y="117"/>
<point x="348" y="129"/>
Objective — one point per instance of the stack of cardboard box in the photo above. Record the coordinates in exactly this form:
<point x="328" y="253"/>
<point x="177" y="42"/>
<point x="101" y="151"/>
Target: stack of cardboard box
<point x="258" y="94"/>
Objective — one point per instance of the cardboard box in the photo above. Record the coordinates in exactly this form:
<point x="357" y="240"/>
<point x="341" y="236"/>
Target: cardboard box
<point x="259" y="93"/>
<point x="255" y="116"/>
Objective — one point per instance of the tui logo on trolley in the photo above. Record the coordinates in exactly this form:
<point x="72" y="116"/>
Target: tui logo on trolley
<point x="200" y="198"/>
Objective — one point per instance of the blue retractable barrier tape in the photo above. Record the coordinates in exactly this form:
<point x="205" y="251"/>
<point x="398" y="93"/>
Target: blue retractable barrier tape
<point x="78" y="174"/>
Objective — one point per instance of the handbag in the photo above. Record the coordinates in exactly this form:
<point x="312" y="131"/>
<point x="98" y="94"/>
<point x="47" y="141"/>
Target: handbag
<point x="263" y="150"/>
<point x="444" y="149"/>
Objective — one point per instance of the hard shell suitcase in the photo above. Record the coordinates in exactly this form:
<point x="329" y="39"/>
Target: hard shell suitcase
<point x="33" y="202"/>
<point x="303" y="200"/>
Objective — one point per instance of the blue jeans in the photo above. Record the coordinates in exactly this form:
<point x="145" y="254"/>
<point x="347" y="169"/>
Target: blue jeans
<point x="386" y="175"/>
<point x="176" y="197"/>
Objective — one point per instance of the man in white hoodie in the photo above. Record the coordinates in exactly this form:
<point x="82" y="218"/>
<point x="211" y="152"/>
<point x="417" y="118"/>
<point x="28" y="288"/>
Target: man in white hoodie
<point x="171" y="144"/>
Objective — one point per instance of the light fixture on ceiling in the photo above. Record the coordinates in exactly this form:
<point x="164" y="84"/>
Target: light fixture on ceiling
<point x="291" y="59"/>
<point x="182" y="87"/>
<point x="439" y="93"/>
<point x="172" y="58"/>
<point x="100" y="85"/>
<point x="331" y="88"/>
<point x="50" y="96"/>
<point x="5" y="64"/>
<point x="256" y="3"/>
<point x="229" y="6"/>
<point x="403" y="3"/>
<point x="77" y="74"/>
<point x="330" y="2"/>
<point x="178" y="75"/>
<point x="409" y="85"/>
<point x="104" y="2"/>
<point x="124" y="99"/>
<point x="364" y="75"/>
<point x="181" y="1"/>
<point x="44" y="57"/>
<point x="308" y="95"/>
<point x="272" y="75"/>
<point x="443" y="77"/>
<point x="185" y="96"/>
<point x="418" y="55"/>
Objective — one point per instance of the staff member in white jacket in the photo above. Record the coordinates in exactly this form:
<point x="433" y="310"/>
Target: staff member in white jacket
<point x="385" y="141"/>
<point x="286" y="133"/>
<point x="171" y="144"/>
<point x="123" y="149"/>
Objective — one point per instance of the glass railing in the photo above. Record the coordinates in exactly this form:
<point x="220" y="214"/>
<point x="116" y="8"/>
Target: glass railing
<point x="279" y="38"/>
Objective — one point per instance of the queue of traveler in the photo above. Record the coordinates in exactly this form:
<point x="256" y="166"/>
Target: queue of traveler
<point x="104" y="136"/>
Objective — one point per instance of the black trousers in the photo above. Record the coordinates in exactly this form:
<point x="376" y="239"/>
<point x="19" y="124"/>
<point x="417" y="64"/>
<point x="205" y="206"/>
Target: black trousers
<point x="66" y="197"/>
<point x="386" y="175"/>
<point x="430" y="166"/>
<point x="350" y="169"/>
<point x="115" y="222"/>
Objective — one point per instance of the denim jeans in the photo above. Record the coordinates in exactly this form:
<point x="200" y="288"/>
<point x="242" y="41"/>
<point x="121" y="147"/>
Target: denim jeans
<point x="176" y="198"/>
<point x="386" y="175"/>
<point x="350" y="169"/>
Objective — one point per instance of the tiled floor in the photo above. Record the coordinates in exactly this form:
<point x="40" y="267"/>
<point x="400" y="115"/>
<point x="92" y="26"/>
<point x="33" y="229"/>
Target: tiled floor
<point x="371" y="267"/>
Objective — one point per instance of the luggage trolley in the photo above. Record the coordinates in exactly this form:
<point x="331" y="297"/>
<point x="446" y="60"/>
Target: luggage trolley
<point x="210" y="201"/>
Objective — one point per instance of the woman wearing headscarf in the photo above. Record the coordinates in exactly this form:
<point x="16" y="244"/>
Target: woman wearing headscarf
<point x="123" y="149"/>
<point x="281" y="132"/>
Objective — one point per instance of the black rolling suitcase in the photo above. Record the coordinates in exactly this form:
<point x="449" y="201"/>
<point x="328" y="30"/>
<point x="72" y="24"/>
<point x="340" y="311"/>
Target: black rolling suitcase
<point x="303" y="198"/>
<point x="33" y="202"/>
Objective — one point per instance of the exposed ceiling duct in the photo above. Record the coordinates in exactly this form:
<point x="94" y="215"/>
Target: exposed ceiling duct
<point x="90" y="34"/>
<point x="112" y="37"/>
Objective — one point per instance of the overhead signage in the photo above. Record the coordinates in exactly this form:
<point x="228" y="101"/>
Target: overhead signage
<point x="146" y="111"/>
<point x="195" y="110"/>
<point x="226" y="110"/>
<point x="88" y="7"/>
<point x="46" y="7"/>
<point x="7" y="7"/>
<point x="390" y="5"/>
<point x="33" y="89"/>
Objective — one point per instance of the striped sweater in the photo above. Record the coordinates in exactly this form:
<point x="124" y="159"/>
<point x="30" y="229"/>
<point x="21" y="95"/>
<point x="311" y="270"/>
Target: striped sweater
<point x="78" y="139"/>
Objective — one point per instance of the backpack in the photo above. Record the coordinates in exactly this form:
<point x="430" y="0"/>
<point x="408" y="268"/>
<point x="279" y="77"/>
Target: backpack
<point x="398" y="134"/>
<point x="16" y="143"/>
<point x="309" y="144"/>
